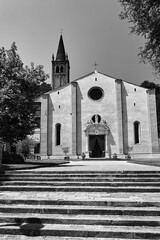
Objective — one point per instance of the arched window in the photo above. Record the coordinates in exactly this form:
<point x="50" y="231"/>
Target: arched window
<point x="136" y="132"/>
<point x="61" y="69"/>
<point x="57" y="69"/>
<point x="37" y="148"/>
<point x="58" y="134"/>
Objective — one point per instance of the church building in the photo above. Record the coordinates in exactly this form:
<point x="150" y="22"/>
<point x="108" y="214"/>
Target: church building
<point x="96" y="115"/>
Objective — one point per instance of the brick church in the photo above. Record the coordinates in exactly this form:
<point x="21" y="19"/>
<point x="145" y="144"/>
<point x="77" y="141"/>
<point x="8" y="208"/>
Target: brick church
<point x="96" y="114"/>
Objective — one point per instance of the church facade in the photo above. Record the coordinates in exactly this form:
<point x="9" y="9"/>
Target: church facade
<point x="96" y="115"/>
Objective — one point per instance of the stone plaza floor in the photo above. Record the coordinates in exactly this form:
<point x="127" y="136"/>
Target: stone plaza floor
<point x="99" y="165"/>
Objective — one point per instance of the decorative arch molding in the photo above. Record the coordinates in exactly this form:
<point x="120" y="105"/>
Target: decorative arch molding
<point x="96" y="127"/>
<point x="96" y="131"/>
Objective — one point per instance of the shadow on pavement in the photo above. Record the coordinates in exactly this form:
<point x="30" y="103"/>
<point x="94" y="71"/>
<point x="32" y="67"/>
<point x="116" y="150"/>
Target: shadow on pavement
<point x="149" y="162"/>
<point x="31" y="226"/>
<point x="28" y="226"/>
<point x="31" y="165"/>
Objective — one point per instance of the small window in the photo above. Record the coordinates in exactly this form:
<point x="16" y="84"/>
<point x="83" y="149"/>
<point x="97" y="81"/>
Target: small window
<point x="95" y="79"/>
<point x="58" y="134"/>
<point x="57" y="69"/>
<point x="38" y="122"/>
<point x="135" y="89"/>
<point x="37" y="114"/>
<point x="136" y="132"/>
<point x="62" y="69"/>
<point x="37" y="148"/>
<point x="134" y="104"/>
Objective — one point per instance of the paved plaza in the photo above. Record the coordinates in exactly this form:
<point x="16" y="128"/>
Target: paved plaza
<point x="99" y="165"/>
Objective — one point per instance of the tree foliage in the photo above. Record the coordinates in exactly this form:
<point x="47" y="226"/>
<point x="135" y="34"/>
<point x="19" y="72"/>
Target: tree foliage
<point x="144" y="15"/>
<point x="19" y="86"/>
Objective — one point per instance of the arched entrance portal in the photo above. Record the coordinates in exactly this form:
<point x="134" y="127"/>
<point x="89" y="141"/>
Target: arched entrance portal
<point x="96" y="137"/>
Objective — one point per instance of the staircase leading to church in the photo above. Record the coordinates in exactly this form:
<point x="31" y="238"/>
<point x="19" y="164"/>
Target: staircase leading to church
<point x="80" y="205"/>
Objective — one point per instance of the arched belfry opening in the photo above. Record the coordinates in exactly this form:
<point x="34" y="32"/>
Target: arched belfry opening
<point x="96" y="137"/>
<point x="60" y="67"/>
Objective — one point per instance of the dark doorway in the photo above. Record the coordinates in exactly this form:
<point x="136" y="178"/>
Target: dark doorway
<point x="97" y="146"/>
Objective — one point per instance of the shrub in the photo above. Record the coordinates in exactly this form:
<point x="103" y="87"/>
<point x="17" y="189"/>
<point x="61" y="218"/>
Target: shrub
<point x="24" y="147"/>
<point x="128" y="156"/>
<point x="83" y="155"/>
<point x="115" y="156"/>
<point x="66" y="151"/>
<point x="12" y="158"/>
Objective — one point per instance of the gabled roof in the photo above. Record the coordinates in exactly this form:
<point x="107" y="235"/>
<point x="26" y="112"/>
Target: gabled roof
<point x="87" y="75"/>
<point x="61" y="50"/>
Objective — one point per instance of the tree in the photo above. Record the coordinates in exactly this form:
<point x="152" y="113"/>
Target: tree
<point x="19" y="86"/>
<point x="152" y="85"/>
<point x="144" y="15"/>
<point x="24" y="147"/>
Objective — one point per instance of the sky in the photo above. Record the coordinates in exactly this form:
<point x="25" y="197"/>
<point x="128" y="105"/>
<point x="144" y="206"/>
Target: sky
<point x="92" y="32"/>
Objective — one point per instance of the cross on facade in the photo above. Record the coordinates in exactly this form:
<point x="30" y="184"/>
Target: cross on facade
<point x="95" y="66"/>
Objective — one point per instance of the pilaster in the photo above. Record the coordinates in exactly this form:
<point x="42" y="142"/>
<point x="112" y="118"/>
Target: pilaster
<point x="49" y="126"/>
<point x="74" y="117"/>
<point x="118" y="83"/>
<point x="153" y="121"/>
<point x="44" y="125"/>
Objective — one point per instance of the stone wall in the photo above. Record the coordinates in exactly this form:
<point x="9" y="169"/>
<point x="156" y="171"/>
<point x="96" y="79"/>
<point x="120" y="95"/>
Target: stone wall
<point x="61" y="112"/>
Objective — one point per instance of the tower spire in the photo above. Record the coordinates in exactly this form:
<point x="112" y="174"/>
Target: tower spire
<point x="60" y="67"/>
<point x="61" y="50"/>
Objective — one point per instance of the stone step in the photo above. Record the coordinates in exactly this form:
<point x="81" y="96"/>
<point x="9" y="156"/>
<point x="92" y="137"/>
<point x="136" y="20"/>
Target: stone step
<point x="87" y="175"/>
<point x="82" y="219"/>
<point x="74" y="219"/>
<point x="100" y="184"/>
<point x="23" y="237"/>
<point x="109" y="203"/>
<point x="75" y="179"/>
<point x="86" y="210"/>
<point x="81" y="189"/>
<point x="75" y="172"/>
<point x="85" y="231"/>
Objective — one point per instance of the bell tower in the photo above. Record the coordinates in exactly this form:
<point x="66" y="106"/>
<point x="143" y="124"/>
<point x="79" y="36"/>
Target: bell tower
<point x="60" y="67"/>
